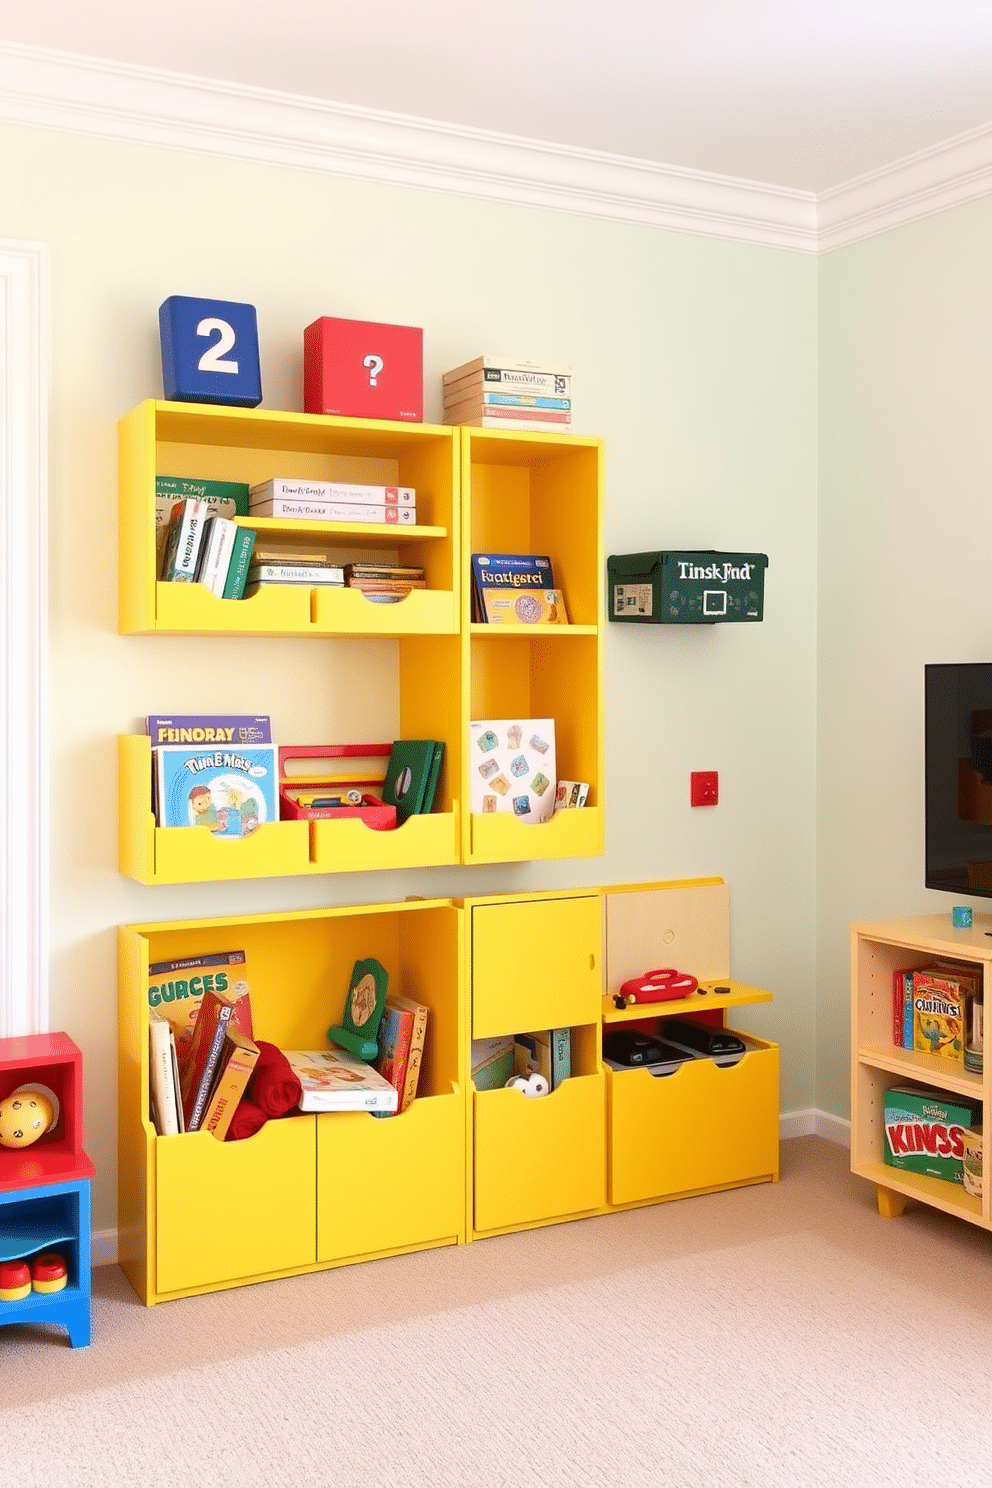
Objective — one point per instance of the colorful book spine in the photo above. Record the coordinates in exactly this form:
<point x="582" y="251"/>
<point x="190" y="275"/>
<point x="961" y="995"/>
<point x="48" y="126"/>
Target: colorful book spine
<point x="507" y="370"/>
<point x="235" y="1068"/>
<point x="183" y="541"/>
<point x="205" y="1049"/>
<point x="161" y="1076"/>
<point x="334" y="511"/>
<point x="274" y="490"/>
<point x="295" y="573"/>
<point x="209" y="728"/>
<point x="486" y="398"/>
<point x="237" y="569"/>
<point x="418" y="1038"/>
<point x="456" y="413"/>
<point x="218" y="545"/>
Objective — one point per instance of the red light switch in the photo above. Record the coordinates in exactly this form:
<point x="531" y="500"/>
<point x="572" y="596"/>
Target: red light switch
<point x="704" y="788"/>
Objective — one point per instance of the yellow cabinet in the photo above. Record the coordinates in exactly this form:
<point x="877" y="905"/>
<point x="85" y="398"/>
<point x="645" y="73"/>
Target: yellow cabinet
<point x="535" y="963"/>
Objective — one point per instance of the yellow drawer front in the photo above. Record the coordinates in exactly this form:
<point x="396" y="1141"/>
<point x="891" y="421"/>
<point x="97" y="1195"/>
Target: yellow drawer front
<point x="383" y="1184"/>
<point x="535" y="964"/>
<point x="421" y="842"/>
<point x="228" y="1210"/>
<point x="702" y="1127"/>
<point x="541" y="1158"/>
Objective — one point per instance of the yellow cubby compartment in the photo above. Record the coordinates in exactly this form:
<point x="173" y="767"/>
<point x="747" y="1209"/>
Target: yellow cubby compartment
<point x="538" y="493"/>
<point x="212" y="442"/>
<point x="306" y="1191"/>
<point x="704" y="1126"/>
<point x="541" y="1159"/>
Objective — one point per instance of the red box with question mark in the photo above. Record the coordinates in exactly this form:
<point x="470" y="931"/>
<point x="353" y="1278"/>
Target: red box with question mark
<point x="363" y="369"/>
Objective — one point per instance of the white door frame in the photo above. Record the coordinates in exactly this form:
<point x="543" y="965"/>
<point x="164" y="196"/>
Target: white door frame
<point x="24" y="763"/>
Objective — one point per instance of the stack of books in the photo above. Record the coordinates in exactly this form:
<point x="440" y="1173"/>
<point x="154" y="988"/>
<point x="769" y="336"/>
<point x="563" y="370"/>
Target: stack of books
<point x="494" y="392"/>
<point x="334" y="501"/>
<point x="384" y="582"/>
<point x="270" y="566"/>
<point x="202" y="547"/>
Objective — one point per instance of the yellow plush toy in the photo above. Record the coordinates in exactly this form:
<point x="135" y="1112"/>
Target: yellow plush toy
<point x="27" y="1114"/>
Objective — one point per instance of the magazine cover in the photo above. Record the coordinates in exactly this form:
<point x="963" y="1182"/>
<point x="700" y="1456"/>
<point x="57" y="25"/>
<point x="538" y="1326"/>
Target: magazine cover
<point x="509" y="574"/>
<point x="229" y="791"/>
<point x="334" y="1080"/>
<point x="512" y="766"/>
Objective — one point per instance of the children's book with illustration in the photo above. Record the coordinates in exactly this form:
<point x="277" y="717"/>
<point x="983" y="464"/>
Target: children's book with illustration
<point x="507" y="576"/>
<point x="229" y="789"/>
<point x="334" y="1080"/>
<point x="176" y="989"/>
<point x="512" y="766"/>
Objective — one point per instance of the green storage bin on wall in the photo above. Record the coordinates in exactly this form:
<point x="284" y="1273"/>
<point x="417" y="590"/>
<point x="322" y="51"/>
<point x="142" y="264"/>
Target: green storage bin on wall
<point x="680" y="587"/>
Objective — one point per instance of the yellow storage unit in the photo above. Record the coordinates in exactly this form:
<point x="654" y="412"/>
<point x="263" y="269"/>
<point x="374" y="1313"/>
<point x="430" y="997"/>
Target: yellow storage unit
<point x="539" y="1160"/>
<point x="537" y="493"/>
<point x="306" y="1190"/>
<point x="705" y="1126"/>
<point x="535" y="962"/>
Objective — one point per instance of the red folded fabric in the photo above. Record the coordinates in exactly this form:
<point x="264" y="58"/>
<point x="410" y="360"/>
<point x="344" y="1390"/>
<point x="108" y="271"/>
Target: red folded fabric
<point x="246" y="1121"/>
<point x="273" y="1087"/>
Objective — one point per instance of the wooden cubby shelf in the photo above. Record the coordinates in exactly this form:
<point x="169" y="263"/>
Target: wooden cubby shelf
<point x="878" y="950"/>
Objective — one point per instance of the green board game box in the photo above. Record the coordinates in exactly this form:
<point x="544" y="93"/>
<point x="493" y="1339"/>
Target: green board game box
<point x="924" y="1130"/>
<point x="681" y="587"/>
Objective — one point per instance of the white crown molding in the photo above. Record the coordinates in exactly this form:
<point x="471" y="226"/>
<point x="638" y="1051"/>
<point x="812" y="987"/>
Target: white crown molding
<point x="24" y="893"/>
<point x="58" y="90"/>
<point x="956" y="171"/>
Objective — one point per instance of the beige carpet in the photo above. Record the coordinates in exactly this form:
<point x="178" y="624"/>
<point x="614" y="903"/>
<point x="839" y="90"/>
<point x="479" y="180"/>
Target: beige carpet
<point x="776" y="1336"/>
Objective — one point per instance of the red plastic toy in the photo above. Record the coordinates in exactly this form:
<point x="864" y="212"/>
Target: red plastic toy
<point x="664" y="985"/>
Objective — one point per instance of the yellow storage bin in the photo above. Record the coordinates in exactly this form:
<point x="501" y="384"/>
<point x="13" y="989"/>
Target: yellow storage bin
<point x="421" y="612"/>
<point x="228" y="1211"/>
<point x="498" y="836"/>
<point x="536" y="964"/>
<point x="349" y="845"/>
<point x="539" y="1159"/>
<point x="704" y="1126"/>
<point x="393" y="1183"/>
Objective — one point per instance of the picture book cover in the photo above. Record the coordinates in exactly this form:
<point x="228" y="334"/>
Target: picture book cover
<point x="512" y="767"/>
<point x="412" y="773"/>
<point x="508" y="573"/>
<point x="230" y="790"/>
<point x="176" y="989"/>
<point x="334" y="1080"/>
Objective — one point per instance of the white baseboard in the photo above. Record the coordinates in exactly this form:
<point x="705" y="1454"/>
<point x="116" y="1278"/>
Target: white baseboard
<point x="791" y="1124"/>
<point x="815" y="1123"/>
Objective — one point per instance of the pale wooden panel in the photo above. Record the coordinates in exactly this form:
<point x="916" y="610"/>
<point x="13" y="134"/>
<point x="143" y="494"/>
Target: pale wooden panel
<point x="687" y="927"/>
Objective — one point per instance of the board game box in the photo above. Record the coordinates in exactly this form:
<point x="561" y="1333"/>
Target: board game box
<point x="230" y="791"/>
<point x="924" y="1130"/>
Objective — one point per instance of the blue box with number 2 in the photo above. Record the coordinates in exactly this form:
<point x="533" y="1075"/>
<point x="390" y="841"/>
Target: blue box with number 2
<point x="210" y="351"/>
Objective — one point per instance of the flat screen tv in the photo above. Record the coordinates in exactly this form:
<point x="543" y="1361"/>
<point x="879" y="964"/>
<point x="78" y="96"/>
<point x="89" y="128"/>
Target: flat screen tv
<point x="959" y="777"/>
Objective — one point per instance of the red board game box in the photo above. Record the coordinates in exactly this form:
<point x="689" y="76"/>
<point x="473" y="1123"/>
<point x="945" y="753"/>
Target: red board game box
<point x="362" y="369"/>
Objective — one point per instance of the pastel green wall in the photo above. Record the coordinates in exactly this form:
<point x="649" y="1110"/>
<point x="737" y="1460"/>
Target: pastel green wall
<point x="694" y="358"/>
<point x="905" y="533"/>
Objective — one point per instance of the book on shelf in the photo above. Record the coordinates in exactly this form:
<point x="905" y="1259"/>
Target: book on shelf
<point x="512" y="767"/>
<point x="298" y="508"/>
<point x="230" y="790"/>
<point x="199" y="1059"/>
<point x="510" y="384"/>
<point x="412" y="773"/>
<point x="235" y="1066"/>
<point x="334" y="1080"/>
<point x="176" y="989"/>
<point x="163" y="1082"/>
<point x="339" y="492"/>
<point x="225" y="498"/>
<point x="237" y="569"/>
<point x="571" y="794"/>
<point x="183" y="542"/>
<point x="508" y="573"/>
<point x="402" y="1034"/>
<point x="508" y="370"/>
<point x="492" y="1062"/>
<point x="209" y="728"/>
<point x="533" y="607"/>
<point x="481" y="394"/>
<point x="547" y="1052"/>
<point x="938" y="1010"/>
<point x="215" y="553"/>
<point x="472" y="408"/>
<point x="312" y="573"/>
